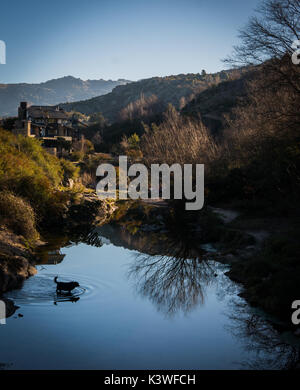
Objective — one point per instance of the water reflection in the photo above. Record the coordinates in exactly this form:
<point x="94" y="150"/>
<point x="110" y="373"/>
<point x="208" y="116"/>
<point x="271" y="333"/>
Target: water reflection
<point x="87" y="235"/>
<point x="4" y="366"/>
<point x="172" y="283"/>
<point x="41" y="290"/>
<point x="274" y="350"/>
<point x="50" y="256"/>
<point x="50" y="253"/>
<point x="175" y="274"/>
<point x="66" y="298"/>
<point x="172" y="270"/>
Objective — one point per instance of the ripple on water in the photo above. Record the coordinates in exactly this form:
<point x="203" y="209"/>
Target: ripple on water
<point x="41" y="289"/>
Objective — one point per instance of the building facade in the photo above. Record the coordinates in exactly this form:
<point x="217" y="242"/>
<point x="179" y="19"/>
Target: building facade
<point x="51" y="124"/>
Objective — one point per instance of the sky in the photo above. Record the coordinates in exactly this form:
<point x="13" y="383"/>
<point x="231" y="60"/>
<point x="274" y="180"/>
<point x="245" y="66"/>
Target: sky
<point x="112" y="39"/>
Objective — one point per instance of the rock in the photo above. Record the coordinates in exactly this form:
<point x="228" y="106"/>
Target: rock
<point x="13" y="271"/>
<point x="15" y="261"/>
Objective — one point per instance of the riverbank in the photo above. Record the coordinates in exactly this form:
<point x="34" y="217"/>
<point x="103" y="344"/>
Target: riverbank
<point x="16" y="261"/>
<point x="17" y="255"/>
<point x="270" y="276"/>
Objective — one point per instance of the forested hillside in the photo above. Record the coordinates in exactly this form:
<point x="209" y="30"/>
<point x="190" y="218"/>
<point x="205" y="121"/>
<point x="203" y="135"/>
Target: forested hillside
<point x="151" y="96"/>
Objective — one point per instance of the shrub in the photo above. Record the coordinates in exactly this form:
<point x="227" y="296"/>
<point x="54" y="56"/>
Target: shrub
<point x="84" y="146"/>
<point x="263" y="141"/>
<point x="178" y="140"/>
<point x="31" y="173"/>
<point x="77" y="156"/>
<point x="69" y="169"/>
<point x="49" y="164"/>
<point x="88" y="179"/>
<point x="17" y="215"/>
<point x="134" y="141"/>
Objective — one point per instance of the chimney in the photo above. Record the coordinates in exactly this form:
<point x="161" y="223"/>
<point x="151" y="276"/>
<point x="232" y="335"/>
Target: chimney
<point x="22" y="111"/>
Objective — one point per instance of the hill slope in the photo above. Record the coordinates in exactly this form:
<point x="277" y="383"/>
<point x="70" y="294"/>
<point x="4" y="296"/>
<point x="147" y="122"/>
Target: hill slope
<point x="215" y="102"/>
<point x="52" y="92"/>
<point x="150" y="96"/>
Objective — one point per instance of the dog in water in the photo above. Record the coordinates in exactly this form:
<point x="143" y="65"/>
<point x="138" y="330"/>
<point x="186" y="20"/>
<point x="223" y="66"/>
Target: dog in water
<point x="65" y="286"/>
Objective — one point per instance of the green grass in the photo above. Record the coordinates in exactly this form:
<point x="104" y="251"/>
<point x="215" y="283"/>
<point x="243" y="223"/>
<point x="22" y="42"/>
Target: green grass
<point x="27" y="171"/>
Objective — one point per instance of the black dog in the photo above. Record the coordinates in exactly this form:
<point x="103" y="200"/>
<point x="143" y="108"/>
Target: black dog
<point x="61" y="286"/>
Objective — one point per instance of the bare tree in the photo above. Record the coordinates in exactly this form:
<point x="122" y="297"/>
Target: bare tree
<point x="142" y="107"/>
<point x="178" y="140"/>
<point x="270" y="34"/>
<point x="268" y="40"/>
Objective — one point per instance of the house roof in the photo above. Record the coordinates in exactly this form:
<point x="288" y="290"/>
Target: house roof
<point x="50" y="112"/>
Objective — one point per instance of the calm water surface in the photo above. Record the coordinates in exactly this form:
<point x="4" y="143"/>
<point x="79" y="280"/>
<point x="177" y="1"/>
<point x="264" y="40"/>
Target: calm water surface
<point x="134" y="311"/>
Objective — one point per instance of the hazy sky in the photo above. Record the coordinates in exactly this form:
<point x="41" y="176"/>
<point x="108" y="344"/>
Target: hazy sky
<point x="113" y="39"/>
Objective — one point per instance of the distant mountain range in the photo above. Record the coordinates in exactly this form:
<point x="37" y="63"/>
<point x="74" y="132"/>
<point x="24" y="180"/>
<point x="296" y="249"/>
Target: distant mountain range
<point x="65" y="89"/>
<point x="150" y="96"/>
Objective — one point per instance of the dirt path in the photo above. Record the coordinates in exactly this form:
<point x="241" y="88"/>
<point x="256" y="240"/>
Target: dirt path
<point x="258" y="232"/>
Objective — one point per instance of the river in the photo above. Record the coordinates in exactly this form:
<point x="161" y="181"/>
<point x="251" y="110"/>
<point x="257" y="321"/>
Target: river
<point x="136" y="308"/>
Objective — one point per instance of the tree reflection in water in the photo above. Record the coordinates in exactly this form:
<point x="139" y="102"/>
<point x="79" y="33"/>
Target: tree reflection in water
<point x="87" y="235"/>
<point x="173" y="271"/>
<point x="50" y="253"/>
<point x="274" y="350"/>
<point x="177" y="283"/>
<point x="176" y="280"/>
<point x="173" y="282"/>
